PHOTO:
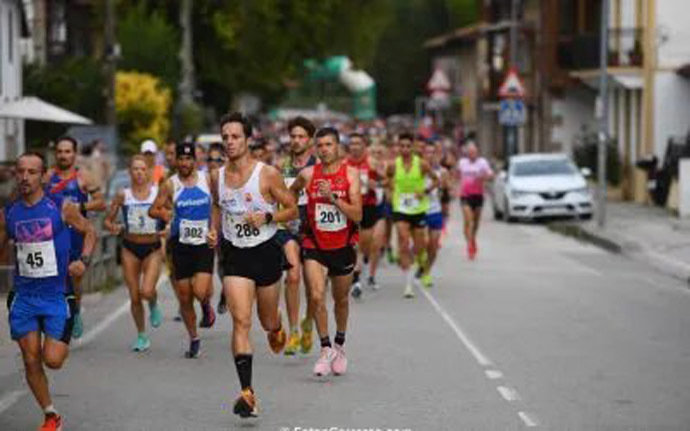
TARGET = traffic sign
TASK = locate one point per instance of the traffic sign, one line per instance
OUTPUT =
(512, 87)
(512, 112)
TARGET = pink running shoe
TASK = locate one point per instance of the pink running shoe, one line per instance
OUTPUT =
(339, 365)
(325, 361)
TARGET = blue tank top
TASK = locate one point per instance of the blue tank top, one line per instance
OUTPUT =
(191, 210)
(41, 245)
(68, 188)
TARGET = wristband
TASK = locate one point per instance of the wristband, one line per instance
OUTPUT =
(86, 260)
(268, 217)
(82, 207)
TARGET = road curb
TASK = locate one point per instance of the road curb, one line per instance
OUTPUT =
(577, 231)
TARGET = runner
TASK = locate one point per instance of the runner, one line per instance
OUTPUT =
(371, 212)
(390, 155)
(246, 193)
(40, 314)
(334, 208)
(410, 204)
(301, 155)
(378, 163)
(141, 243)
(474, 171)
(149, 150)
(434, 215)
(79, 187)
(188, 193)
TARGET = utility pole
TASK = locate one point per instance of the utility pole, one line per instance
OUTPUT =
(111, 55)
(511, 131)
(603, 114)
(186, 86)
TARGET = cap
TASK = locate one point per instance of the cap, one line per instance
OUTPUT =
(185, 149)
(149, 146)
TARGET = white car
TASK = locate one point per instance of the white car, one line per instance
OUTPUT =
(541, 185)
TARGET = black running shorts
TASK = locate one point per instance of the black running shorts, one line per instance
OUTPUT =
(189, 259)
(262, 264)
(340, 261)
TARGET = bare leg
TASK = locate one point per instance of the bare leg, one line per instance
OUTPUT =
(240, 293)
(292, 281)
(316, 276)
(131, 268)
(341, 307)
(185, 297)
(379, 232)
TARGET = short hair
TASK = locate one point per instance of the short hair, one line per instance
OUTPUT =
(358, 135)
(216, 146)
(406, 135)
(44, 166)
(304, 123)
(328, 131)
(258, 144)
(139, 157)
(73, 141)
(237, 117)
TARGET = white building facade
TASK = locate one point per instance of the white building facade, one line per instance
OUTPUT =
(11, 130)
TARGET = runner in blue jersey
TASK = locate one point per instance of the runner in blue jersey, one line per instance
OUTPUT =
(188, 194)
(40, 315)
(77, 186)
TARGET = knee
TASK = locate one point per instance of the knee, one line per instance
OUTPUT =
(316, 299)
(293, 277)
(241, 324)
(53, 362)
(148, 294)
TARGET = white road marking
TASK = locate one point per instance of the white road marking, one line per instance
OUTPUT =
(493, 374)
(529, 421)
(10, 398)
(481, 358)
(508, 394)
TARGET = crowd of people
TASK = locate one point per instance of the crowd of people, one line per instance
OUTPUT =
(318, 211)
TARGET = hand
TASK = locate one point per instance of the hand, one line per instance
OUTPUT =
(212, 238)
(256, 219)
(325, 189)
(116, 228)
(76, 268)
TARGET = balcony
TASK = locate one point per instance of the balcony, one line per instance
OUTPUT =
(581, 51)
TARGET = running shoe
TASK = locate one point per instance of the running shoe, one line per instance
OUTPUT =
(293, 344)
(323, 366)
(142, 343)
(52, 422)
(371, 283)
(277, 339)
(246, 405)
(409, 291)
(194, 349)
(474, 246)
(156, 316)
(427, 281)
(306, 342)
(209, 316)
(222, 307)
(356, 290)
(339, 365)
(471, 252)
(78, 326)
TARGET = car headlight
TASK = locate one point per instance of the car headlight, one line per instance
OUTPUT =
(517, 194)
(582, 191)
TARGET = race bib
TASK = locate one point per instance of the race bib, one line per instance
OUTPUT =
(301, 196)
(37, 259)
(408, 202)
(364, 181)
(329, 218)
(139, 222)
(193, 232)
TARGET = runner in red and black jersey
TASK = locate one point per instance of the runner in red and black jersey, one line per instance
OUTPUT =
(334, 207)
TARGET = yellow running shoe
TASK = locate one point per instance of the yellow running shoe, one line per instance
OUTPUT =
(427, 281)
(277, 339)
(293, 344)
(306, 340)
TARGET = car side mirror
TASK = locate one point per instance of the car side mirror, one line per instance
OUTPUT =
(586, 172)
(503, 175)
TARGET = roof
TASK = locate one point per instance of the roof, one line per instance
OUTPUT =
(33, 108)
(469, 32)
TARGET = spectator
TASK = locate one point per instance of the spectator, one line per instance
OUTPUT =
(149, 149)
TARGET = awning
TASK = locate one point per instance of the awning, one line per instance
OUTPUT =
(628, 81)
(33, 108)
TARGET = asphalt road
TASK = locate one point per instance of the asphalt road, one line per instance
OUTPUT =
(539, 332)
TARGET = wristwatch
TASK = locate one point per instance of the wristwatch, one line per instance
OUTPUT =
(86, 260)
(334, 197)
(268, 217)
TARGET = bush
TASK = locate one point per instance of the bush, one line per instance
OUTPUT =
(586, 155)
(143, 107)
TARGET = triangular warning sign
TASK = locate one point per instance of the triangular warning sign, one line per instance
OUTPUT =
(512, 87)
(439, 82)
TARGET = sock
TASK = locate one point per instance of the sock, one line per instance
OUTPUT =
(243, 363)
(366, 260)
(50, 410)
(355, 277)
(326, 341)
(409, 276)
(339, 338)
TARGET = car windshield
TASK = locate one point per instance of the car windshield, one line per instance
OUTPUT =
(543, 167)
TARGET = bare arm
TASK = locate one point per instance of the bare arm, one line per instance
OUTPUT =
(160, 209)
(281, 194)
(212, 238)
(301, 181)
(353, 209)
(426, 170)
(96, 200)
(72, 216)
(109, 223)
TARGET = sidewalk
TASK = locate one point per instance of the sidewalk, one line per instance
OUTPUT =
(647, 234)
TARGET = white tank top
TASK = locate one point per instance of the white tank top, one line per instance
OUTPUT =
(235, 204)
(136, 212)
(435, 206)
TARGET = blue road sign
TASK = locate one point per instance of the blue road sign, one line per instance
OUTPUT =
(512, 112)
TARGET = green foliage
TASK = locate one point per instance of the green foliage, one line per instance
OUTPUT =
(586, 155)
(191, 119)
(150, 43)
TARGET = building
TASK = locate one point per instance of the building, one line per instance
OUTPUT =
(11, 30)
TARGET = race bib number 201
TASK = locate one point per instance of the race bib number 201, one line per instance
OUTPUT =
(329, 218)
(37, 259)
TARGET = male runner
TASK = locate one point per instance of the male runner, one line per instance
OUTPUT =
(434, 215)
(246, 195)
(40, 314)
(189, 194)
(474, 171)
(77, 186)
(371, 214)
(410, 203)
(334, 208)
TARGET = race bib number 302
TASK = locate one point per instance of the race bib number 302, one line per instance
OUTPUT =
(329, 218)
(37, 259)
(193, 232)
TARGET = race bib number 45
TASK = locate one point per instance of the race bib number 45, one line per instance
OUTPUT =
(329, 218)
(193, 232)
(37, 259)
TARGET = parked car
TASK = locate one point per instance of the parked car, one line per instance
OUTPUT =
(541, 185)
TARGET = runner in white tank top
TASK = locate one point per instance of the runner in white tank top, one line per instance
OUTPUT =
(250, 198)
